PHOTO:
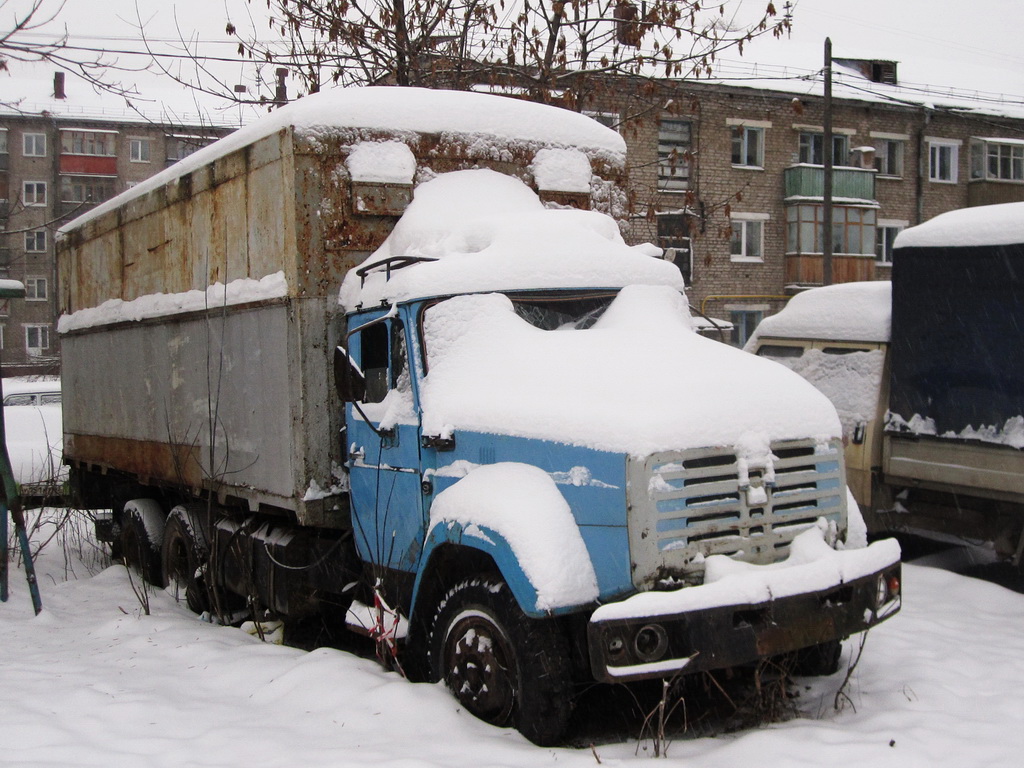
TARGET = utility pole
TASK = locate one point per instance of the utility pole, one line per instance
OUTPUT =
(826, 218)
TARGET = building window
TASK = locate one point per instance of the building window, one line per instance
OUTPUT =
(139, 150)
(96, 143)
(3, 141)
(35, 241)
(853, 229)
(34, 193)
(607, 119)
(674, 155)
(744, 321)
(942, 160)
(34, 144)
(812, 148)
(998, 161)
(886, 238)
(674, 236)
(35, 288)
(747, 240)
(37, 339)
(747, 146)
(179, 147)
(86, 189)
(889, 157)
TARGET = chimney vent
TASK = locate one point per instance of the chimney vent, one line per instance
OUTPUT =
(58, 86)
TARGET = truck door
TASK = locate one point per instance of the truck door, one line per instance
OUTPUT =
(383, 442)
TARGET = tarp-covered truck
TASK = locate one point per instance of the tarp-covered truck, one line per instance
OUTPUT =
(385, 354)
(926, 377)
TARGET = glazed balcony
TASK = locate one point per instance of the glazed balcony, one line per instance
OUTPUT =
(848, 184)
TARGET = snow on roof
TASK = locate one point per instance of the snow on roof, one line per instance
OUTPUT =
(637, 382)
(485, 231)
(421, 110)
(982, 225)
(843, 312)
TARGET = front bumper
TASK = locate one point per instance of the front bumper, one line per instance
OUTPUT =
(656, 635)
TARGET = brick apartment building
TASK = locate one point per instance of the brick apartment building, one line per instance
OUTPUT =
(732, 178)
(53, 168)
(729, 178)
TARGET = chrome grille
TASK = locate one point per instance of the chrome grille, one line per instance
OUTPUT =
(685, 506)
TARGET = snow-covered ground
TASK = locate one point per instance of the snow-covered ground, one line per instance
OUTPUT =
(93, 681)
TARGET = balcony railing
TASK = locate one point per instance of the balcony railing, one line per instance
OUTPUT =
(808, 181)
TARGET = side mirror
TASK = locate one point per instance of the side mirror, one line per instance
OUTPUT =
(349, 381)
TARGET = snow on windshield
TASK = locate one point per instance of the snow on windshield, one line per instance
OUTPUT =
(638, 381)
(982, 225)
(485, 231)
(851, 380)
(844, 312)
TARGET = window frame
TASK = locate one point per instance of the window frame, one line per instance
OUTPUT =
(43, 329)
(145, 149)
(36, 186)
(883, 245)
(751, 230)
(741, 135)
(32, 289)
(37, 139)
(37, 236)
(807, 150)
(672, 232)
(986, 165)
(936, 147)
(884, 159)
(674, 155)
(83, 143)
(800, 227)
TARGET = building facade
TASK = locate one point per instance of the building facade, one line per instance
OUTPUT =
(731, 179)
(53, 169)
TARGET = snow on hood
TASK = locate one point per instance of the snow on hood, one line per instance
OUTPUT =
(843, 312)
(421, 110)
(637, 382)
(982, 225)
(490, 232)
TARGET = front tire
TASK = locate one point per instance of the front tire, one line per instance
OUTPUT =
(503, 667)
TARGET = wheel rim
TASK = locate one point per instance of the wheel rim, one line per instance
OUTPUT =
(478, 667)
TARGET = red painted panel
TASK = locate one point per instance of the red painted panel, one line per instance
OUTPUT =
(101, 166)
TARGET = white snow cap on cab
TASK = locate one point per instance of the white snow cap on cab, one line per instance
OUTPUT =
(842, 312)
(485, 231)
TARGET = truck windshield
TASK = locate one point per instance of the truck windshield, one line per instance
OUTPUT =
(554, 313)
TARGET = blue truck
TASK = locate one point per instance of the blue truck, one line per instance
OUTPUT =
(385, 355)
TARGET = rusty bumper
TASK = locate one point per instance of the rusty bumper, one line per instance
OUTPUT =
(667, 644)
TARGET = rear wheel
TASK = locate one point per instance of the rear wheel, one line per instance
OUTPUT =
(184, 556)
(502, 666)
(142, 533)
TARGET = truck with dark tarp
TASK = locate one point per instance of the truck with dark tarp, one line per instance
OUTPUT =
(925, 374)
(385, 356)
(953, 453)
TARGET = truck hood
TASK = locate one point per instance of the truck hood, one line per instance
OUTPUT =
(637, 382)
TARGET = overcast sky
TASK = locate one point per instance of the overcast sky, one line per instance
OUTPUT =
(944, 44)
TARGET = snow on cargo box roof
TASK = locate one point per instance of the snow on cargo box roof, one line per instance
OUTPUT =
(417, 110)
(480, 230)
(1001, 224)
(842, 312)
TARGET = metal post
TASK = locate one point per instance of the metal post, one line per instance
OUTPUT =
(826, 219)
(9, 499)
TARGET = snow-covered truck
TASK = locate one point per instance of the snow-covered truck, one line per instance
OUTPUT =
(924, 374)
(385, 354)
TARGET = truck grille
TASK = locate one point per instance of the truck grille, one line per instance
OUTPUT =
(690, 504)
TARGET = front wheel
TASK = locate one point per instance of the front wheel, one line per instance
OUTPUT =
(503, 667)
